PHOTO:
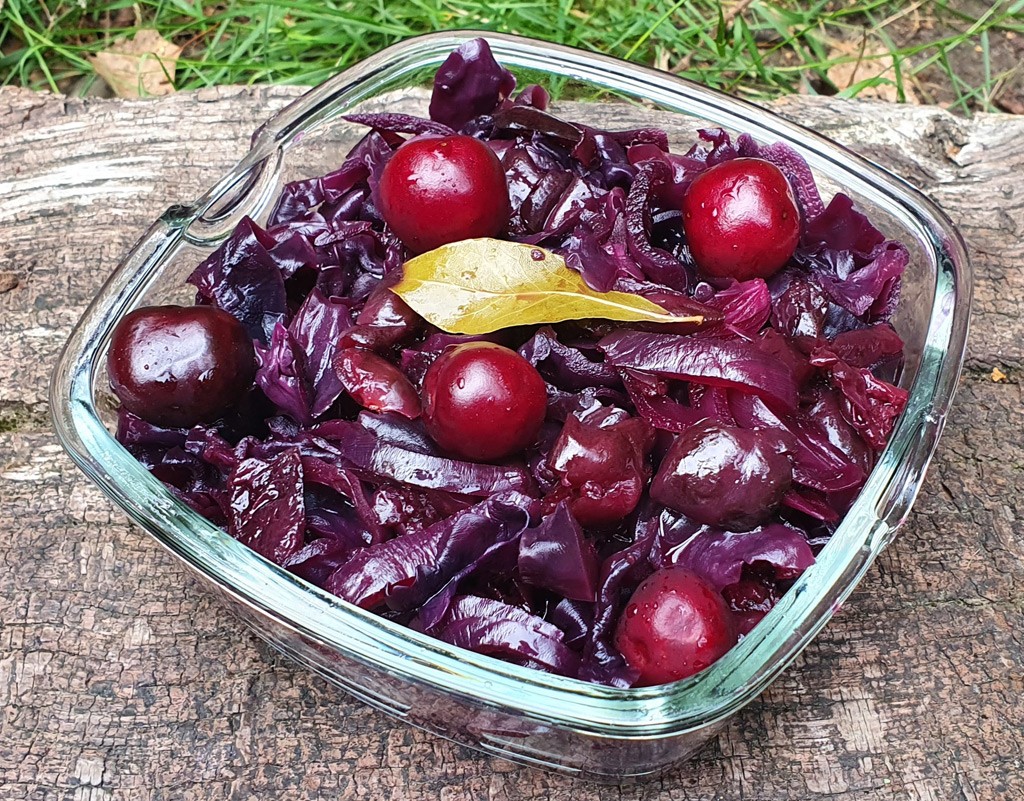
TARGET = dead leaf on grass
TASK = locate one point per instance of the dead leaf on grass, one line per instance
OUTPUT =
(860, 62)
(139, 67)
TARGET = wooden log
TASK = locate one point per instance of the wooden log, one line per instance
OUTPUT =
(119, 680)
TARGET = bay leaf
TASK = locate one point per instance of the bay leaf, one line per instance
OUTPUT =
(476, 286)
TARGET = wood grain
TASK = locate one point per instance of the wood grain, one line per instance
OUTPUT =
(119, 680)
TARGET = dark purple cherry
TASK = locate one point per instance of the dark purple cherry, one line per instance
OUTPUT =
(674, 626)
(741, 220)
(439, 189)
(732, 478)
(482, 401)
(178, 366)
(601, 471)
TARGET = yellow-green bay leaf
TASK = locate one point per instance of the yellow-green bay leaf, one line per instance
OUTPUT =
(476, 286)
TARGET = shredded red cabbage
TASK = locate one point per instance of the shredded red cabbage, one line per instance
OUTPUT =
(326, 469)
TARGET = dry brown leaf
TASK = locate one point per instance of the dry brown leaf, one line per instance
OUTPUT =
(862, 61)
(139, 67)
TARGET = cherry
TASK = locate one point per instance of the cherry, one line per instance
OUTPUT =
(435, 190)
(732, 478)
(178, 366)
(483, 401)
(601, 471)
(674, 626)
(741, 219)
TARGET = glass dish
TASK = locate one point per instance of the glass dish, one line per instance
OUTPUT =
(518, 713)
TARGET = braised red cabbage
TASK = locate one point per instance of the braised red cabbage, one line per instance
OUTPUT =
(557, 556)
(267, 512)
(326, 469)
(489, 626)
(719, 556)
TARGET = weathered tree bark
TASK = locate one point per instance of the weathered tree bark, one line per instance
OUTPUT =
(119, 680)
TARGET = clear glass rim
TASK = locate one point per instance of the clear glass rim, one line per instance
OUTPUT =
(595, 710)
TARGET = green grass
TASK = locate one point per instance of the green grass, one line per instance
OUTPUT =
(765, 50)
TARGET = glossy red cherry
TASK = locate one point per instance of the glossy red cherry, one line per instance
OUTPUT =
(674, 626)
(741, 219)
(178, 366)
(440, 189)
(482, 401)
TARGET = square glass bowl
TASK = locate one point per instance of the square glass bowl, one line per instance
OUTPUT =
(518, 713)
